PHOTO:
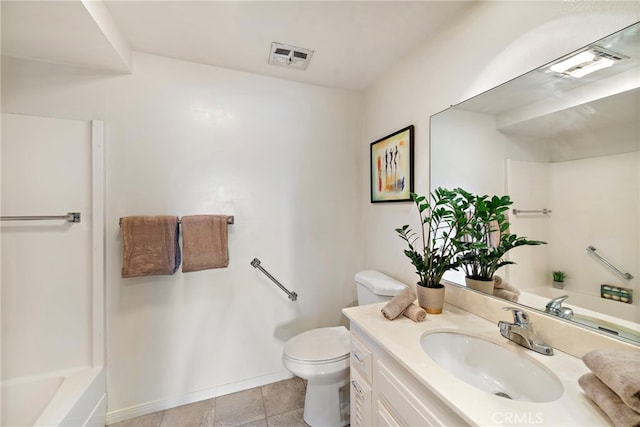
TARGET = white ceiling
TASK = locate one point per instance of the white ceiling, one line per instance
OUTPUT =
(354, 42)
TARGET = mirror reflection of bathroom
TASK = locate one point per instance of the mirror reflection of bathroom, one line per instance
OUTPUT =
(563, 141)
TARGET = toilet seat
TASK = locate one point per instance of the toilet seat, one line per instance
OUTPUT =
(319, 346)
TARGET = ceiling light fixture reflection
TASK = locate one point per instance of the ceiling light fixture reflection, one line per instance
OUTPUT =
(586, 62)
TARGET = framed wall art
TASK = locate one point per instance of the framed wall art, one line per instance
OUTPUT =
(392, 167)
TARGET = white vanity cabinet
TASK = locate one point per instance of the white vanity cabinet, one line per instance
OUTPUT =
(361, 393)
(383, 393)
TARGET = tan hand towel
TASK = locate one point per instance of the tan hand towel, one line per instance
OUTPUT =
(500, 283)
(398, 304)
(415, 313)
(505, 294)
(609, 402)
(149, 245)
(204, 240)
(618, 370)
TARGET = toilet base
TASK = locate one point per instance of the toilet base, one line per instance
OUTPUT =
(327, 405)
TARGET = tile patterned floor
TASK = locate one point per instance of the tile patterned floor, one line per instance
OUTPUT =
(273, 405)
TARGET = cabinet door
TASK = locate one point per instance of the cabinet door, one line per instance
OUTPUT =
(361, 400)
(410, 403)
(385, 419)
(361, 357)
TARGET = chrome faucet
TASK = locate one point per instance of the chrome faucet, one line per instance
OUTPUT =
(555, 307)
(521, 332)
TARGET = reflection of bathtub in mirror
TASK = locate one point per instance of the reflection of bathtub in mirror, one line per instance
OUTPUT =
(607, 316)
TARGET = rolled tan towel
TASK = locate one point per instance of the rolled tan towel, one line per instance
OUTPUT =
(205, 242)
(500, 283)
(618, 370)
(415, 313)
(609, 402)
(149, 245)
(398, 304)
(505, 294)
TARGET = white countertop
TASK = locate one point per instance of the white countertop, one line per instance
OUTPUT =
(401, 339)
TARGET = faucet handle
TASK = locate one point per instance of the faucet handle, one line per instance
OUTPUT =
(555, 304)
(559, 299)
(520, 318)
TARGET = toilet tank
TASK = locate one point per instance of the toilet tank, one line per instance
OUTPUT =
(373, 287)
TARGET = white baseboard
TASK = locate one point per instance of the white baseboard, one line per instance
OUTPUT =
(196, 396)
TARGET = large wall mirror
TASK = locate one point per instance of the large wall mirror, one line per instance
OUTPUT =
(563, 141)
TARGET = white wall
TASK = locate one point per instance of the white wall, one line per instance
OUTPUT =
(529, 188)
(183, 138)
(588, 210)
(494, 42)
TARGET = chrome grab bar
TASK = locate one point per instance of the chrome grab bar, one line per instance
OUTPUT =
(292, 295)
(69, 217)
(627, 276)
(540, 211)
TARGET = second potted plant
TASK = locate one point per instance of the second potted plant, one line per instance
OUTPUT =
(485, 239)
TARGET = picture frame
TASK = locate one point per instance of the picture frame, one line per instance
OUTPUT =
(392, 167)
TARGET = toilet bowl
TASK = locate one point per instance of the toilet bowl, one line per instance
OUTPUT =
(322, 357)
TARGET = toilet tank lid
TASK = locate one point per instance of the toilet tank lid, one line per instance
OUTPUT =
(379, 283)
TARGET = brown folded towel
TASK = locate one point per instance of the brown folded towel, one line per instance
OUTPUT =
(609, 402)
(149, 245)
(500, 283)
(415, 313)
(204, 240)
(505, 294)
(618, 370)
(397, 305)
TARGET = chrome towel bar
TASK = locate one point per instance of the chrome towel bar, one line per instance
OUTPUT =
(540, 211)
(292, 295)
(230, 220)
(69, 217)
(627, 276)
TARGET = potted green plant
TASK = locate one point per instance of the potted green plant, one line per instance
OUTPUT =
(485, 239)
(432, 250)
(559, 278)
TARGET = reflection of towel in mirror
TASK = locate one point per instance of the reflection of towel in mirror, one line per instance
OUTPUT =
(398, 304)
(504, 294)
(500, 283)
(618, 370)
(503, 289)
(609, 402)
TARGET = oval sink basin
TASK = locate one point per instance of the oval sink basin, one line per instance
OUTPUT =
(491, 367)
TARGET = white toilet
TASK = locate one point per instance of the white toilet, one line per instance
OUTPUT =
(321, 356)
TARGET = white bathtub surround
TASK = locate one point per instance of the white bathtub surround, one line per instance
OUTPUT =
(52, 276)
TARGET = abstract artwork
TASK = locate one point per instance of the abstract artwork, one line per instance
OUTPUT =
(392, 167)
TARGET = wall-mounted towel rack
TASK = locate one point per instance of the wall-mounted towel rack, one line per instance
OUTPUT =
(230, 220)
(292, 295)
(592, 250)
(523, 211)
(69, 217)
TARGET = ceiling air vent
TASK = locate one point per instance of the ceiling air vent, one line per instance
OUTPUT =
(290, 56)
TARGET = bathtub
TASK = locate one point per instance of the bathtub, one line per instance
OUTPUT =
(71, 398)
